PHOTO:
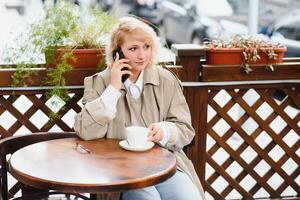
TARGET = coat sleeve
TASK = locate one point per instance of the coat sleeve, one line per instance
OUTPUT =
(178, 120)
(92, 121)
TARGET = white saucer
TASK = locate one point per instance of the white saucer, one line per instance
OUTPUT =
(124, 144)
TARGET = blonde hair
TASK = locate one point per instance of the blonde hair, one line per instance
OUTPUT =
(135, 28)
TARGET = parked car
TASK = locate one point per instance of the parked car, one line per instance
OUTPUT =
(269, 11)
(192, 21)
(147, 10)
(287, 32)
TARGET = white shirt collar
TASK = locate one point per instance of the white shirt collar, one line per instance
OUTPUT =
(135, 88)
(139, 82)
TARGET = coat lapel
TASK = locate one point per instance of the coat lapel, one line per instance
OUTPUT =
(150, 107)
(103, 78)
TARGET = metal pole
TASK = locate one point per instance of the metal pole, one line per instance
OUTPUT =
(253, 17)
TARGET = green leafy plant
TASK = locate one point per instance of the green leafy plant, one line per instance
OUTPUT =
(251, 47)
(92, 31)
(64, 26)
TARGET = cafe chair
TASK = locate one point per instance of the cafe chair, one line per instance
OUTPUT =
(10, 145)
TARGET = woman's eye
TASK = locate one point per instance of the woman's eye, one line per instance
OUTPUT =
(132, 49)
(147, 46)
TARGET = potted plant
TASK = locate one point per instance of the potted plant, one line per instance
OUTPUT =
(84, 40)
(244, 51)
(67, 36)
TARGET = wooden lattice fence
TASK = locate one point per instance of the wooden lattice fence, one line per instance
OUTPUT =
(252, 142)
(247, 142)
(27, 111)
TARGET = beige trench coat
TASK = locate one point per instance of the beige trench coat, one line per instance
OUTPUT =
(162, 100)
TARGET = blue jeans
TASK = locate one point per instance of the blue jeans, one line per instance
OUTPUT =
(177, 187)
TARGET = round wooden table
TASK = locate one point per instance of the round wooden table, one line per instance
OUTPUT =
(105, 167)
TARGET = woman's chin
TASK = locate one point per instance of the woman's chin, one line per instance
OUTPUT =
(139, 67)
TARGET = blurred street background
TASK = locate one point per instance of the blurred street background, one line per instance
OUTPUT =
(176, 21)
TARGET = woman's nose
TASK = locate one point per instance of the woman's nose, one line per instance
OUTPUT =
(141, 54)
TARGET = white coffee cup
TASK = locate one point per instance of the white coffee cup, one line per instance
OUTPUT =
(136, 136)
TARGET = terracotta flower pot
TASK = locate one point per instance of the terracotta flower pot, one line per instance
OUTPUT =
(234, 56)
(84, 58)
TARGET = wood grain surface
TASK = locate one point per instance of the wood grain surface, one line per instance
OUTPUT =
(59, 165)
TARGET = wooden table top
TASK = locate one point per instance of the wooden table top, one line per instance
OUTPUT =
(58, 165)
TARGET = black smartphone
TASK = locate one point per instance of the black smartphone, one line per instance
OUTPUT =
(121, 55)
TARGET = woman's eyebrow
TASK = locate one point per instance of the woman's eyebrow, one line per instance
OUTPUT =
(131, 46)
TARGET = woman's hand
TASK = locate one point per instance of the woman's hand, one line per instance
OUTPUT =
(116, 72)
(156, 134)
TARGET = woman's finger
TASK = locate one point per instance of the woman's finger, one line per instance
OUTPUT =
(151, 138)
(119, 63)
(126, 72)
(150, 127)
(156, 137)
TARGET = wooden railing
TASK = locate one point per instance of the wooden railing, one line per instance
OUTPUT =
(248, 126)
(247, 142)
(26, 109)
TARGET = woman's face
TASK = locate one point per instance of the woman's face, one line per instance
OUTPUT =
(139, 53)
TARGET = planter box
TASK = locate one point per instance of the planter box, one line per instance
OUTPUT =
(234, 56)
(84, 58)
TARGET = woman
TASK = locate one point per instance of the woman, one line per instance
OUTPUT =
(150, 97)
